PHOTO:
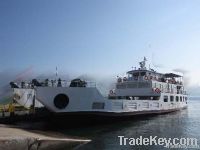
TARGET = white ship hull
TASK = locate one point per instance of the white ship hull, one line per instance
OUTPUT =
(90, 101)
(142, 91)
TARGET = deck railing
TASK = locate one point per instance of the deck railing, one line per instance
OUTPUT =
(54, 83)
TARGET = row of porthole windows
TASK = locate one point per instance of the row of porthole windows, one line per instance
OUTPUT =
(175, 98)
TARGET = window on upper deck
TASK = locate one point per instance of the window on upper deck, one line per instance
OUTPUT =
(136, 74)
(142, 73)
(171, 98)
(165, 98)
(177, 98)
(181, 99)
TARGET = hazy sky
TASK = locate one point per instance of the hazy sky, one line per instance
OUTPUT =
(100, 36)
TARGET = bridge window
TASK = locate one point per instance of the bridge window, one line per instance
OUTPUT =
(142, 73)
(133, 85)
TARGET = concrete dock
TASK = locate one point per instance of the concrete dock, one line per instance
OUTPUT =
(13, 138)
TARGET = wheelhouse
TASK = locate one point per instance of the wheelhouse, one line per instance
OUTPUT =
(143, 83)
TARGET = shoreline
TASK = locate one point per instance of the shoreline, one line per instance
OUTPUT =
(13, 138)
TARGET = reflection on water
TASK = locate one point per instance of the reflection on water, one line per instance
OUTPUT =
(185, 123)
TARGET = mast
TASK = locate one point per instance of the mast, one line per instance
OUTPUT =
(56, 72)
(143, 63)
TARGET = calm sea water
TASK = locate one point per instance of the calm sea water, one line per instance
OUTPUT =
(182, 124)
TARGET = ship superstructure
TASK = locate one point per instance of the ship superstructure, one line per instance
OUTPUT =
(142, 91)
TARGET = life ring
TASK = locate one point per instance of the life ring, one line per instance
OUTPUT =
(146, 77)
(111, 92)
(157, 90)
(124, 79)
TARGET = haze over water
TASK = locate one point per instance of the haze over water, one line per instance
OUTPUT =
(181, 124)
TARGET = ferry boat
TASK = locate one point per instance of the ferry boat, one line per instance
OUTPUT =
(142, 91)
